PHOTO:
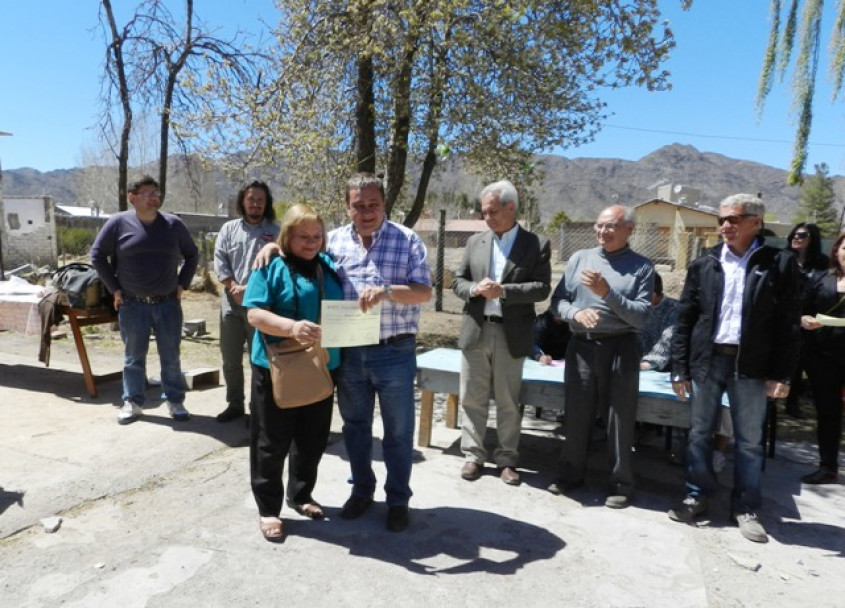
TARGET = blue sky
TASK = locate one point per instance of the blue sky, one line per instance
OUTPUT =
(53, 52)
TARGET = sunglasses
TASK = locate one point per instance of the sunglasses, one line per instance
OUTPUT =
(800, 236)
(733, 220)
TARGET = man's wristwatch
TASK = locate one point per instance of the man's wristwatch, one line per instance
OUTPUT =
(388, 290)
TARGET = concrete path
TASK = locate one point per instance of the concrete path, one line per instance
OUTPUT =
(160, 513)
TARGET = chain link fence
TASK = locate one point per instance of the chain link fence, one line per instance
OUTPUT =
(671, 250)
(663, 246)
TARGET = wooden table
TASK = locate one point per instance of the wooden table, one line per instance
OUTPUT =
(439, 371)
(81, 317)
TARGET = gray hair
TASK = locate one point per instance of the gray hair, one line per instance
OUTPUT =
(503, 190)
(750, 203)
(628, 215)
(359, 181)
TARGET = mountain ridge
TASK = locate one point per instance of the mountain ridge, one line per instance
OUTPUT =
(581, 186)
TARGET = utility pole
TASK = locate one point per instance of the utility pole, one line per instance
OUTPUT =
(2, 219)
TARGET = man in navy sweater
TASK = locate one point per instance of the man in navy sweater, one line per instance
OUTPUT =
(137, 255)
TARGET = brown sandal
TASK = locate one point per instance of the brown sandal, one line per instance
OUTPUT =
(272, 529)
(312, 510)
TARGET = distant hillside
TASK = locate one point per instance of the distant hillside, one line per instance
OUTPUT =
(586, 185)
(579, 186)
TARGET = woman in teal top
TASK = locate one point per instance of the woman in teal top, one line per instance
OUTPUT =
(283, 301)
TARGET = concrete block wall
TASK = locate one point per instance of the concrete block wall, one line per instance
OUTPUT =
(28, 231)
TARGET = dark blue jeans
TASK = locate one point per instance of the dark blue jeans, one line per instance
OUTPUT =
(136, 319)
(387, 371)
(747, 397)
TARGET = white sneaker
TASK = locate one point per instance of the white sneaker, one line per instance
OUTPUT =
(750, 527)
(719, 461)
(178, 411)
(129, 412)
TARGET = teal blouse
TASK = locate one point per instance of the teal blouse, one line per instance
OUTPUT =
(272, 288)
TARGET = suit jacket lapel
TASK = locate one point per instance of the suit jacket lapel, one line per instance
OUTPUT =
(517, 251)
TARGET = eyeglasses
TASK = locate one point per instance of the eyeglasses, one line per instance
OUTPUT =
(733, 220)
(609, 226)
(800, 236)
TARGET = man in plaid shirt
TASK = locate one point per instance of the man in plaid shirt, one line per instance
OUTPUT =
(379, 261)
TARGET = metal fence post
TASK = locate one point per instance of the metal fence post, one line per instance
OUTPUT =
(441, 253)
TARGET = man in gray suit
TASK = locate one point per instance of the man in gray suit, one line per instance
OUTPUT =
(504, 272)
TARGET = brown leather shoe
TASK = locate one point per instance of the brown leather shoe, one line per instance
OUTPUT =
(470, 471)
(510, 476)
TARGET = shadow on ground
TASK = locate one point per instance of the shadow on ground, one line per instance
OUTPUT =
(441, 540)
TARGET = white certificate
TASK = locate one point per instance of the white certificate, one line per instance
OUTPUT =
(830, 321)
(343, 324)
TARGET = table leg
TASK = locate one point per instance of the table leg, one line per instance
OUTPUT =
(426, 415)
(90, 385)
(452, 411)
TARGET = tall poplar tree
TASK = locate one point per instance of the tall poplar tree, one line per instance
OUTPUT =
(390, 85)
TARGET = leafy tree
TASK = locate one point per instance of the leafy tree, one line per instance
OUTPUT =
(783, 36)
(818, 202)
(558, 219)
(376, 84)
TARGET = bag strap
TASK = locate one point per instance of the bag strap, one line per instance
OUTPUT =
(835, 306)
(319, 273)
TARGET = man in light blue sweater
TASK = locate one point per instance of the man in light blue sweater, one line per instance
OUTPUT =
(605, 296)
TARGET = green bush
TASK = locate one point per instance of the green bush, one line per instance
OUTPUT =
(75, 241)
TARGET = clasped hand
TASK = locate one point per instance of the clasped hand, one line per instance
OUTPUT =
(490, 289)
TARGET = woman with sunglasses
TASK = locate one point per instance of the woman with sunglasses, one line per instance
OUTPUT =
(825, 361)
(805, 241)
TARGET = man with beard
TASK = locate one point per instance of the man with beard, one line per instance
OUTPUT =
(234, 252)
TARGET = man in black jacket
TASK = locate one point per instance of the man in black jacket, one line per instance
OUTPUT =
(737, 331)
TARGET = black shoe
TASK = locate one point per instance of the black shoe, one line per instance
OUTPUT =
(397, 518)
(689, 509)
(820, 476)
(230, 413)
(355, 506)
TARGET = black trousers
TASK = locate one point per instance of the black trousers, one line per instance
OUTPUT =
(302, 431)
(826, 376)
(602, 376)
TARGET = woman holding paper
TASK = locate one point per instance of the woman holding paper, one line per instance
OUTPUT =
(824, 320)
(283, 301)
